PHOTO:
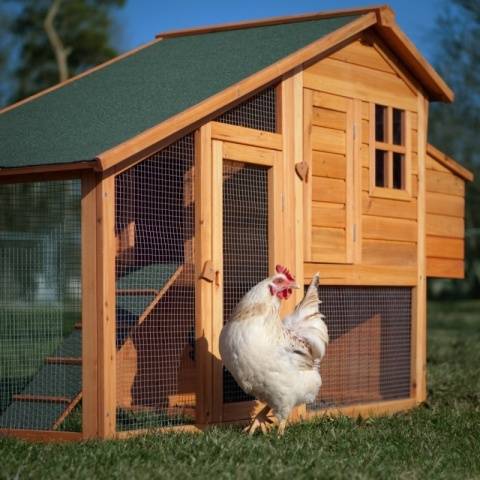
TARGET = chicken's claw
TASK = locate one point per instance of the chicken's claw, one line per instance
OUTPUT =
(261, 420)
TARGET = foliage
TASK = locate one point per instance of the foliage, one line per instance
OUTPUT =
(440, 441)
(454, 128)
(85, 28)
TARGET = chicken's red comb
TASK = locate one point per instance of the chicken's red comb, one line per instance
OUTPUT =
(285, 271)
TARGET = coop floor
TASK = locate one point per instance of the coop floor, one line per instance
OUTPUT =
(437, 442)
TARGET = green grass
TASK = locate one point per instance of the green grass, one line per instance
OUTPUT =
(437, 441)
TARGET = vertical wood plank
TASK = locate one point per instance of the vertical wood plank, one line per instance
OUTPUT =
(289, 180)
(203, 289)
(89, 307)
(349, 181)
(371, 148)
(217, 259)
(357, 183)
(307, 189)
(420, 326)
(106, 306)
(408, 154)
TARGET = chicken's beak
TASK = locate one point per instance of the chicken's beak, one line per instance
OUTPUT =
(294, 285)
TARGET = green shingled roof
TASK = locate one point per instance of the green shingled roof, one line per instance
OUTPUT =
(105, 108)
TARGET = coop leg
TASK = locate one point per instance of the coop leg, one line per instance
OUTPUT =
(260, 420)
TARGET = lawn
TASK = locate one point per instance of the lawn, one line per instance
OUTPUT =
(439, 440)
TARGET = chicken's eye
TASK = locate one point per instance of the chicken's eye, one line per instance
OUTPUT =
(278, 281)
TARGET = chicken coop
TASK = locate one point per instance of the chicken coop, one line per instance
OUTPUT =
(142, 199)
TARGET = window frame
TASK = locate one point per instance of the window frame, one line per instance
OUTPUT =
(390, 148)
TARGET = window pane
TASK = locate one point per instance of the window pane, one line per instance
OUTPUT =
(380, 168)
(398, 127)
(380, 123)
(398, 170)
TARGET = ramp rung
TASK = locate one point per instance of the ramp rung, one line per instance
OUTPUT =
(40, 398)
(64, 360)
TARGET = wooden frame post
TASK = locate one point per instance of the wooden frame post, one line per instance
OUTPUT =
(419, 327)
(89, 307)
(203, 288)
(106, 306)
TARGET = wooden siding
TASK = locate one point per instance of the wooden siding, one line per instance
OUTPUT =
(445, 221)
(353, 78)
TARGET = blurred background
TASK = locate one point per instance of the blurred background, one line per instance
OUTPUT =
(43, 42)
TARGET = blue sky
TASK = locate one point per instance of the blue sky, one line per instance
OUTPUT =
(142, 20)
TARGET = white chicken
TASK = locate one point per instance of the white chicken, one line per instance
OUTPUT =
(276, 361)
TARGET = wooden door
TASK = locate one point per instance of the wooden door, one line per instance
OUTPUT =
(247, 242)
(329, 146)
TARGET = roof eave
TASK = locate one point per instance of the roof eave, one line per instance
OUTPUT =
(436, 88)
(450, 163)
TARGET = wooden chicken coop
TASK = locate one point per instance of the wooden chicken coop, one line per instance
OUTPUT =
(142, 199)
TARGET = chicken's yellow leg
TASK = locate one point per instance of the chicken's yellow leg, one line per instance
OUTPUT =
(281, 428)
(260, 420)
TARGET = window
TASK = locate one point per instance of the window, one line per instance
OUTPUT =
(389, 151)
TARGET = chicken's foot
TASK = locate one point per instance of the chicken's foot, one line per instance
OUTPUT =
(261, 420)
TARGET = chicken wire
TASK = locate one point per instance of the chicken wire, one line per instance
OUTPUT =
(257, 112)
(155, 295)
(40, 305)
(245, 243)
(368, 358)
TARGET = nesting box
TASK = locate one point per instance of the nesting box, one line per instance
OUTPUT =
(141, 200)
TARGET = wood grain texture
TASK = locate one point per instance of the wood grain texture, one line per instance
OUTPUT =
(384, 207)
(329, 140)
(441, 247)
(444, 204)
(383, 228)
(338, 77)
(328, 190)
(378, 252)
(440, 182)
(328, 215)
(330, 165)
(324, 117)
(442, 226)
(445, 268)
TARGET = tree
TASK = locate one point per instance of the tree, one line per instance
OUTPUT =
(57, 39)
(455, 128)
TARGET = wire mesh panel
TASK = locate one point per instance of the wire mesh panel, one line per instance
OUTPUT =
(257, 112)
(368, 358)
(245, 243)
(40, 306)
(155, 296)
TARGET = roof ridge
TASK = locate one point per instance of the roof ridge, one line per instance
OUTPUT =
(274, 21)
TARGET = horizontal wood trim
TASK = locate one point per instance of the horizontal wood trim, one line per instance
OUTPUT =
(329, 140)
(449, 163)
(330, 101)
(442, 226)
(379, 252)
(441, 247)
(137, 148)
(448, 183)
(324, 117)
(366, 55)
(56, 168)
(328, 244)
(248, 154)
(247, 136)
(382, 228)
(328, 215)
(355, 81)
(64, 360)
(392, 193)
(345, 274)
(42, 435)
(22, 397)
(146, 431)
(389, 146)
(445, 268)
(443, 204)
(330, 165)
(328, 190)
(385, 207)
(365, 410)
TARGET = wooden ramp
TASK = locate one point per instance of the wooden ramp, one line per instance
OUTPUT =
(56, 389)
